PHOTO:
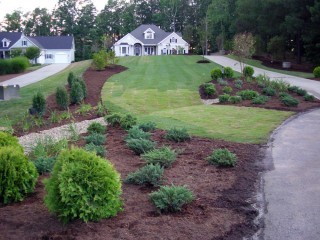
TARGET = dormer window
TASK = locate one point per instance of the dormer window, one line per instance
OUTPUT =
(24, 43)
(5, 43)
(149, 34)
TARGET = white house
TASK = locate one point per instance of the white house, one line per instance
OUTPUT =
(53, 49)
(150, 40)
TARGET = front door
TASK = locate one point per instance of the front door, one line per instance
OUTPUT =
(137, 51)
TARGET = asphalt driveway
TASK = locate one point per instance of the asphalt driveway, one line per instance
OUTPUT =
(36, 75)
(292, 187)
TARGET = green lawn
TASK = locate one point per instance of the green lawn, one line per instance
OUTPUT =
(15, 108)
(164, 89)
(257, 63)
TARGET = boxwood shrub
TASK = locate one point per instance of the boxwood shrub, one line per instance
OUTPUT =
(248, 71)
(83, 186)
(316, 72)
(18, 175)
(235, 99)
(227, 89)
(248, 94)
(171, 198)
(224, 98)
(222, 157)
(149, 175)
(228, 72)
(209, 89)
(216, 73)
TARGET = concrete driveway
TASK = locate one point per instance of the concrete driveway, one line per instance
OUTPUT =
(36, 75)
(292, 187)
(309, 85)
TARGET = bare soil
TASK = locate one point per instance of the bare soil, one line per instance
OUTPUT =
(273, 103)
(221, 209)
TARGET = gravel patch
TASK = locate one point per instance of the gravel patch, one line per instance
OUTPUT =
(210, 101)
(57, 133)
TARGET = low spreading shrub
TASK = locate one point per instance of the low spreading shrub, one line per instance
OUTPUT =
(309, 98)
(7, 140)
(248, 94)
(148, 126)
(278, 85)
(216, 73)
(128, 121)
(164, 156)
(269, 91)
(39, 103)
(136, 133)
(224, 98)
(227, 89)
(248, 71)
(209, 89)
(284, 94)
(47, 147)
(76, 93)
(113, 119)
(177, 135)
(149, 175)
(62, 98)
(98, 149)
(222, 157)
(293, 89)
(44, 164)
(171, 198)
(289, 101)
(96, 127)
(316, 72)
(301, 92)
(222, 82)
(260, 100)
(227, 72)
(18, 175)
(83, 186)
(235, 99)
(140, 146)
(238, 82)
(95, 138)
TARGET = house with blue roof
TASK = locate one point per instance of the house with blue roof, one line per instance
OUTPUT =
(53, 49)
(150, 40)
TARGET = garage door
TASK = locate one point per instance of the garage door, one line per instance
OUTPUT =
(61, 58)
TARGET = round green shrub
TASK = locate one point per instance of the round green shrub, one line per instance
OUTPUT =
(164, 156)
(289, 101)
(235, 99)
(248, 94)
(209, 89)
(147, 126)
(216, 73)
(224, 98)
(18, 175)
(177, 135)
(96, 127)
(316, 72)
(171, 198)
(269, 91)
(228, 72)
(222, 157)
(76, 93)
(260, 100)
(7, 140)
(227, 89)
(149, 175)
(248, 71)
(62, 98)
(83, 186)
(309, 98)
(140, 146)
(39, 103)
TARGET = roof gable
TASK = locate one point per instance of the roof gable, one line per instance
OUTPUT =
(159, 34)
(53, 42)
(12, 37)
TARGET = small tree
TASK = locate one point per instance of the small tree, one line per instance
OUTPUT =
(17, 52)
(243, 47)
(100, 60)
(32, 53)
(277, 47)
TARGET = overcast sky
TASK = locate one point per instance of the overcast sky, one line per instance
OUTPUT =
(8, 6)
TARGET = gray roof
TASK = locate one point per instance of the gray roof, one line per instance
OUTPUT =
(159, 35)
(53, 42)
(12, 36)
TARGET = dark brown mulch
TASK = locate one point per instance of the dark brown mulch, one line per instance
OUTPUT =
(94, 81)
(273, 103)
(220, 209)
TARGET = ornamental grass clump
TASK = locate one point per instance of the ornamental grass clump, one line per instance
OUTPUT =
(83, 186)
(140, 146)
(149, 175)
(177, 135)
(18, 175)
(171, 198)
(222, 157)
(164, 156)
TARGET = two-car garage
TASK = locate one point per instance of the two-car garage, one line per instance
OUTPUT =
(61, 57)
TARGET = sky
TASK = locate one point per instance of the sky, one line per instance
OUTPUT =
(8, 6)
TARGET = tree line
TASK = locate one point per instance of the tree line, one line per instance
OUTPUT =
(281, 28)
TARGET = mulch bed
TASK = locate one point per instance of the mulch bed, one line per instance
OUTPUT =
(273, 103)
(220, 210)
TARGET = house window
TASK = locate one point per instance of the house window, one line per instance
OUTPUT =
(24, 43)
(49, 56)
(149, 35)
(5, 44)
(173, 40)
(124, 50)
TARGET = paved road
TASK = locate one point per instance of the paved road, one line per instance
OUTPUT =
(36, 76)
(292, 187)
(310, 85)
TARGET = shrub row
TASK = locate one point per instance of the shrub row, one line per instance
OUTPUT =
(14, 65)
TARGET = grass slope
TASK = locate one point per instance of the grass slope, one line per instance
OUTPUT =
(164, 89)
(15, 108)
(257, 63)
